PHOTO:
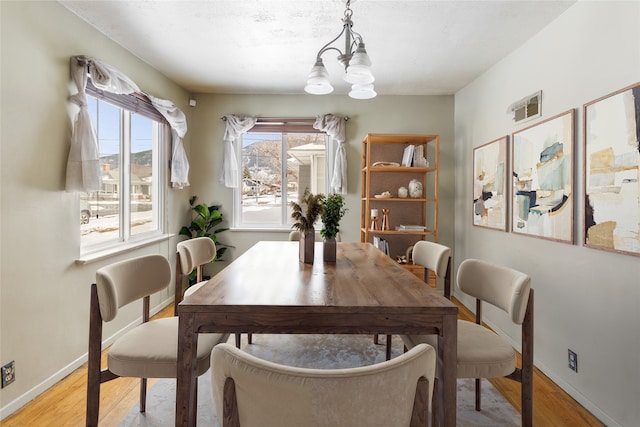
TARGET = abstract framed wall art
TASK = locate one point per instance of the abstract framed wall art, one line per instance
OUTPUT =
(542, 162)
(612, 160)
(490, 184)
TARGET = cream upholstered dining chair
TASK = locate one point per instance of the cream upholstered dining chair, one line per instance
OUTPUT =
(251, 392)
(191, 255)
(433, 257)
(481, 352)
(149, 350)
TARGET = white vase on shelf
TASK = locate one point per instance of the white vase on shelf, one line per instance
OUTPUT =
(415, 189)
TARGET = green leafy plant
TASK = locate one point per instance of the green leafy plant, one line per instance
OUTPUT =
(306, 213)
(206, 222)
(332, 212)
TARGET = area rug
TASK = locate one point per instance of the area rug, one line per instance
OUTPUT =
(318, 351)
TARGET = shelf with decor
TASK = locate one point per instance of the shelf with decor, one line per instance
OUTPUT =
(400, 177)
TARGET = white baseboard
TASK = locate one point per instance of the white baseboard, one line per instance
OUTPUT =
(45, 385)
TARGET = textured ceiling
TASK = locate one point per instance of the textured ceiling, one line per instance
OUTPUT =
(418, 47)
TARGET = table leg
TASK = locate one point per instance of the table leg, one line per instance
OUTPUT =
(447, 367)
(186, 370)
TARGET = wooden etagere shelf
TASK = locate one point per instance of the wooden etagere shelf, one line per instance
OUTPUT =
(418, 211)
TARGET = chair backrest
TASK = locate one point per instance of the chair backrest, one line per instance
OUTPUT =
(269, 395)
(433, 256)
(120, 283)
(294, 236)
(503, 287)
(195, 252)
(437, 258)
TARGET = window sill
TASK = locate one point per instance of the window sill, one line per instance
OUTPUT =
(116, 250)
(262, 229)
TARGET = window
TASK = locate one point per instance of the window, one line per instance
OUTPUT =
(129, 206)
(278, 162)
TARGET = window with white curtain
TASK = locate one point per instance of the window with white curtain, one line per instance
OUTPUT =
(129, 207)
(277, 163)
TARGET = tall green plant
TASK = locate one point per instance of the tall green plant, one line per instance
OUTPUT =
(206, 223)
(306, 213)
(332, 212)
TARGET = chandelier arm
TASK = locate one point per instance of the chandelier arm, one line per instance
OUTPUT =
(328, 46)
(326, 49)
(357, 38)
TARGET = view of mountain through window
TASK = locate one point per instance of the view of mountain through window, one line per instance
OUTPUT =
(127, 205)
(276, 168)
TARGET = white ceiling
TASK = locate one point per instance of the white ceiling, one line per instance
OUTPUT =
(418, 47)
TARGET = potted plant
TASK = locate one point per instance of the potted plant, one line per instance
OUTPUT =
(332, 212)
(304, 215)
(206, 222)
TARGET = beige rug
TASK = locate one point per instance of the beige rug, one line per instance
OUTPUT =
(318, 351)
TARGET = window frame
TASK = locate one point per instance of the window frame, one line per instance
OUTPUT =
(280, 126)
(137, 104)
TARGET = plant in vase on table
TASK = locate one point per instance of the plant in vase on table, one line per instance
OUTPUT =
(332, 212)
(305, 214)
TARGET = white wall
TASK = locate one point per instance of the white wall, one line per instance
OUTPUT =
(44, 294)
(586, 300)
(384, 114)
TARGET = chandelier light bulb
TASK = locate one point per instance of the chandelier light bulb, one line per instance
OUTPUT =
(364, 91)
(359, 69)
(318, 80)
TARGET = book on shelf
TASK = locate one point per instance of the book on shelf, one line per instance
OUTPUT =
(414, 156)
(381, 244)
(419, 160)
(407, 157)
(411, 227)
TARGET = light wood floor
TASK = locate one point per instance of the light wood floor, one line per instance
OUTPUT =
(64, 403)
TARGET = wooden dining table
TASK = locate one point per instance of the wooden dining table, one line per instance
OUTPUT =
(267, 290)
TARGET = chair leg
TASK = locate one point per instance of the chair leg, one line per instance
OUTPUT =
(238, 340)
(93, 395)
(249, 338)
(194, 408)
(93, 401)
(143, 395)
(527, 365)
(388, 347)
(478, 399)
(434, 404)
(527, 404)
(93, 364)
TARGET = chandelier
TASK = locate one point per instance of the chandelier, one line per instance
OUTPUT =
(357, 64)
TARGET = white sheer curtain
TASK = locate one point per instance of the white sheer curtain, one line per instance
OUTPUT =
(83, 165)
(334, 126)
(235, 127)
(178, 122)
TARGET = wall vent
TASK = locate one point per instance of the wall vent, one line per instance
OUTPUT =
(526, 108)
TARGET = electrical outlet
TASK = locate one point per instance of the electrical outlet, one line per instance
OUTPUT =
(8, 373)
(573, 361)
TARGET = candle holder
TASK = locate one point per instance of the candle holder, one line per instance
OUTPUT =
(385, 219)
(374, 220)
